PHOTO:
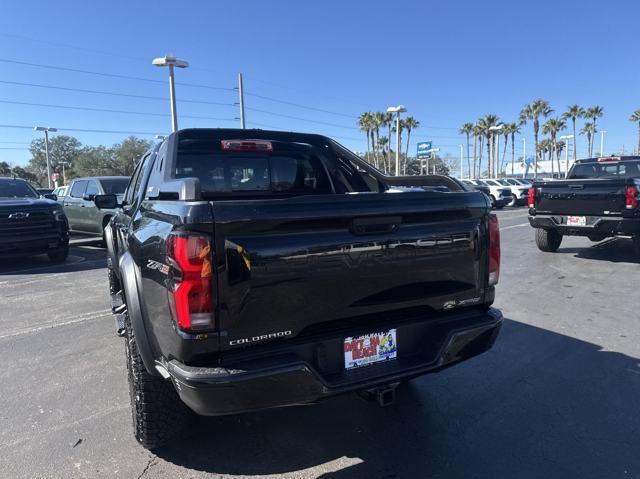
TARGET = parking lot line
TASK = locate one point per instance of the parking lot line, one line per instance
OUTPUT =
(81, 319)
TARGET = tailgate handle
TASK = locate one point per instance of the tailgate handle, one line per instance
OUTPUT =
(366, 226)
(576, 187)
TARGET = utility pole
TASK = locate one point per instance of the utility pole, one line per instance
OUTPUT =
(171, 62)
(46, 130)
(241, 102)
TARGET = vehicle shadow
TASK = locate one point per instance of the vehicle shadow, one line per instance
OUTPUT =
(540, 404)
(81, 258)
(615, 250)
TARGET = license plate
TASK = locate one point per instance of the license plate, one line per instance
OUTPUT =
(576, 220)
(369, 349)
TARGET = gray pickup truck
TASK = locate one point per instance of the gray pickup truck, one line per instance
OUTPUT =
(81, 212)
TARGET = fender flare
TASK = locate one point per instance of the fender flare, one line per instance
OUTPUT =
(111, 252)
(130, 279)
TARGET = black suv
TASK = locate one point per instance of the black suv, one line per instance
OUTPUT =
(31, 224)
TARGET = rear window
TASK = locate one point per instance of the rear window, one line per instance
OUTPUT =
(291, 168)
(627, 169)
(114, 186)
(17, 189)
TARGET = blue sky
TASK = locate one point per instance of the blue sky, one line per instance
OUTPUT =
(448, 62)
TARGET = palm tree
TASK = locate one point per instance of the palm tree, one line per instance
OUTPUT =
(574, 112)
(383, 143)
(477, 134)
(378, 121)
(388, 121)
(486, 123)
(506, 133)
(590, 130)
(366, 125)
(467, 129)
(594, 112)
(532, 112)
(635, 117)
(410, 123)
(551, 128)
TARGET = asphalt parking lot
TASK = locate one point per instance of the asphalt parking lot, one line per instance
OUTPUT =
(556, 397)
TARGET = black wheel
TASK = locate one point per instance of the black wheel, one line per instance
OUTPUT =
(58, 256)
(514, 201)
(158, 413)
(548, 240)
(493, 200)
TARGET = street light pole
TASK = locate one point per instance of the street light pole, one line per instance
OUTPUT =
(46, 130)
(171, 62)
(397, 109)
(566, 154)
(602, 132)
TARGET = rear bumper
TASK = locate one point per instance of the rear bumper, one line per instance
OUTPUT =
(287, 379)
(596, 225)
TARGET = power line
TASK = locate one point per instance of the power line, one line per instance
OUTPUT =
(298, 105)
(110, 75)
(108, 110)
(84, 130)
(301, 119)
(111, 93)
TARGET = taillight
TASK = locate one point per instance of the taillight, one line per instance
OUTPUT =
(191, 281)
(494, 250)
(632, 197)
(246, 145)
(531, 199)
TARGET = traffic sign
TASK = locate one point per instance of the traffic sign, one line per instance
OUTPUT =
(423, 149)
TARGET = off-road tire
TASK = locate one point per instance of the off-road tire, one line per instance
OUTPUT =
(158, 413)
(548, 240)
(58, 256)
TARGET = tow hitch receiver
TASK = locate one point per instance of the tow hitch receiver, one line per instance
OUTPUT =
(383, 395)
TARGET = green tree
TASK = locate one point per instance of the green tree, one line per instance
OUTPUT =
(589, 129)
(378, 122)
(467, 130)
(387, 119)
(574, 112)
(635, 117)
(532, 112)
(20, 172)
(61, 148)
(365, 122)
(127, 154)
(593, 113)
(410, 124)
(5, 168)
(551, 128)
(485, 124)
(514, 129)
(478, 134)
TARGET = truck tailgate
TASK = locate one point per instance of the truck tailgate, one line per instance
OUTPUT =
(592, 197)
(289, 265)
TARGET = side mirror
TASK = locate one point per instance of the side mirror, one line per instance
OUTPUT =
(50, 196)
(88, 197)
(105, 202)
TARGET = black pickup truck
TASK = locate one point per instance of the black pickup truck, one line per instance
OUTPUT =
(600, 198)
(31, 224)
(252, 269)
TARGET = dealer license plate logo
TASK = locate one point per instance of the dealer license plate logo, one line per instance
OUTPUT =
(576, 220)
(369, 349)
